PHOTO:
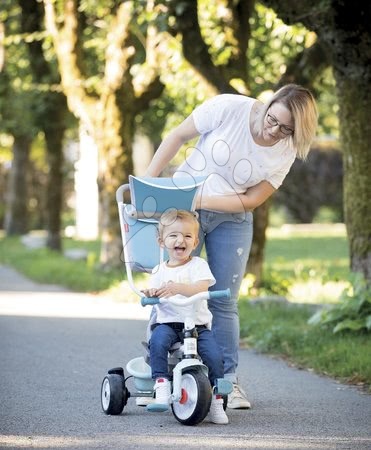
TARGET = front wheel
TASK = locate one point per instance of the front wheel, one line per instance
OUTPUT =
(194, 404)
(114, 394)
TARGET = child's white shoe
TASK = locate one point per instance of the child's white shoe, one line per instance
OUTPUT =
(162, 391)
(217, 414)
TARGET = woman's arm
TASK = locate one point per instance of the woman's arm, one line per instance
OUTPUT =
(235, 203)
(170, 145)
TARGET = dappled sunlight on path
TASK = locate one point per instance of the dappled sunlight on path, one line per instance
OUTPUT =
(22, 297)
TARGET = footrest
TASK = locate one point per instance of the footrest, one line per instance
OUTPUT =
(157, 407)
(223, 386)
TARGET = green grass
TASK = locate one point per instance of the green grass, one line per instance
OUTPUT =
(46, 266)
(312, 264)
(305, 256)
(282, 329)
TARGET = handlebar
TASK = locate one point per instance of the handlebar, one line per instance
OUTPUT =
(145, 301)
(220, 294)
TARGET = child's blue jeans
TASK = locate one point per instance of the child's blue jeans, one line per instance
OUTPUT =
(163, 337)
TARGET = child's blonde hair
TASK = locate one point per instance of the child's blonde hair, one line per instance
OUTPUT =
(171, 215)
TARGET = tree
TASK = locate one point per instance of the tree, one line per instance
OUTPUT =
(344, 29)
(102, 92)
(30, 104)
(50, 116)
(16, 119)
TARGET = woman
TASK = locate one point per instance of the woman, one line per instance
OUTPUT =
(245, 150)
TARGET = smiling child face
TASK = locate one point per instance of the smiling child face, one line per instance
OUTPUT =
(179, 238)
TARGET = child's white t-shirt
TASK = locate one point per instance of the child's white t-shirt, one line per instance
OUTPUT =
(226, 152)
(197, 269)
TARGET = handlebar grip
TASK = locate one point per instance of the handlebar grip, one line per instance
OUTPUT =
(220, 294)
(145, 301)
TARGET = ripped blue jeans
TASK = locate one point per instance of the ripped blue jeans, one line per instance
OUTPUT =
(227, 239)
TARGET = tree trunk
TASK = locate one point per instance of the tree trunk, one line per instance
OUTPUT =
(50, 117)
(16, 216)
(356, 141)
(115, 165)
(54, 193)
(256, 258)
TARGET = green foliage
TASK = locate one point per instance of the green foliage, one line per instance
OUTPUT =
(272, 44)
(282, 329)
(324, 86)
(274, 283)
(352, 313)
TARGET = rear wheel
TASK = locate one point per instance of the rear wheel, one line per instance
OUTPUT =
(194, 404)
(114, 394)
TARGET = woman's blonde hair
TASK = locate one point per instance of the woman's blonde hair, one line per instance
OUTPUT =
(301, 104)
(171, 215)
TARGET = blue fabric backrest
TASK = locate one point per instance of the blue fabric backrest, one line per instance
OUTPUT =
(142, 250)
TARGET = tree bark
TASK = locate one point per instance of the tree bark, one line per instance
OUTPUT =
(115, 165)
(54, 194)
(356, 139)
(256, 258)
(16, 216)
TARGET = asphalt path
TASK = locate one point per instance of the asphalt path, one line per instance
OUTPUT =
(56, 347)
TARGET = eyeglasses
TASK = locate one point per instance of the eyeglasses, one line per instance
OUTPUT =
(284, 129)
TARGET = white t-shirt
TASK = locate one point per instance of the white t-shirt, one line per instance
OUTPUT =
(197, 269)
(226, 152)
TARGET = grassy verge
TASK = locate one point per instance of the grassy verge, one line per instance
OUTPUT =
(281, 329)
(307, 265)
(46, 266)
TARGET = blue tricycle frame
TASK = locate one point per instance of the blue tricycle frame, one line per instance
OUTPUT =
(191, 390)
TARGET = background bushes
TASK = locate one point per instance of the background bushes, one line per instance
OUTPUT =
(313, 184)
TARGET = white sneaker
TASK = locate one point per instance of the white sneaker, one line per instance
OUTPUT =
(162, 390)
(144, 401)
(237, 398)
(216, 413)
